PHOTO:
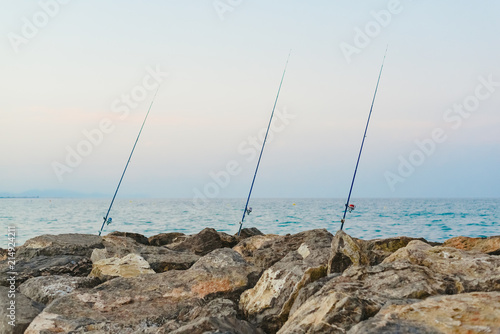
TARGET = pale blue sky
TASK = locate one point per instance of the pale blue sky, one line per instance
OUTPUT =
(223, 78)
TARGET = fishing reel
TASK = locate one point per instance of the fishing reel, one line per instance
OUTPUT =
(351, 207)
(109, 221)
(249, 211)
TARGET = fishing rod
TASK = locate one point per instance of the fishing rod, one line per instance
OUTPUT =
(248, 210)
(106, 220)
(350, 207)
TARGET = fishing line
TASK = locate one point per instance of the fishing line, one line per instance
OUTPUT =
(347, 206)
(247, 210)
(106, 220)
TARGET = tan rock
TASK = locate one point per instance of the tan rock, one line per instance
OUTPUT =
(471, 271)
(270, 301)
(490, 245)
(131, 265)
(467, 313)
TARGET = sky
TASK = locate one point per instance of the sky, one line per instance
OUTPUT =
(78, 78)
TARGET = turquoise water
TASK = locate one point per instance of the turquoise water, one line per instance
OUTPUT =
(433, 219)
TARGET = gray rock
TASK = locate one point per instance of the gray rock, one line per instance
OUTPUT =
(217, 316)
(47, 265)
(61, 244)
(248, 232)
(146, 303)
(163, 239)
(134, 236)
(53, 255)
(265, 250)
(45, 289)
(205, 242)
(25, 310)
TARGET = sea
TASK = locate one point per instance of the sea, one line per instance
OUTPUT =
(433, 219)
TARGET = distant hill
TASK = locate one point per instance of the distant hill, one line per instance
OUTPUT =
(52, 193)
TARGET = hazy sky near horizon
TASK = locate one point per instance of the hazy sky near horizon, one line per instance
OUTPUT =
(75, 67)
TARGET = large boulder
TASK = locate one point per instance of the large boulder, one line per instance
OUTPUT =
(490, 245)
(159, 258)
(53, 255)
(269, 302)
(163, 239)
(467, 313)
(471, 271)
(148, 302)
(61, 244)
(347, 251)
(219, 315)
(248, 232)
(44, 289)
(25, 310)
(265, 250)
(205, 242)
(412, 273)
(46, 265)
(134, 236)
(344, 300)
(131, 265)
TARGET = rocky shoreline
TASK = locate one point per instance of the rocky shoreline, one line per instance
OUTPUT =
(212, 282)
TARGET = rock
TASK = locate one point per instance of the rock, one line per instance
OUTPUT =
(25, 311)
(45, 289)
(3, 254)
(309, 290)
(47, 265)
(135, 236)
(53, 255)
(248, 232)
(417, 271)
(490, 245)
(205, 242)
(359, 293)
(347, 251)
(131, 265)
(471, 271)
(61, 244)
(477, 312)
(379, 249)
(159, 258)
(147, 302)
(217, 325)
(164, 238)
(219, 315)
(269, 302)
(265, 250)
